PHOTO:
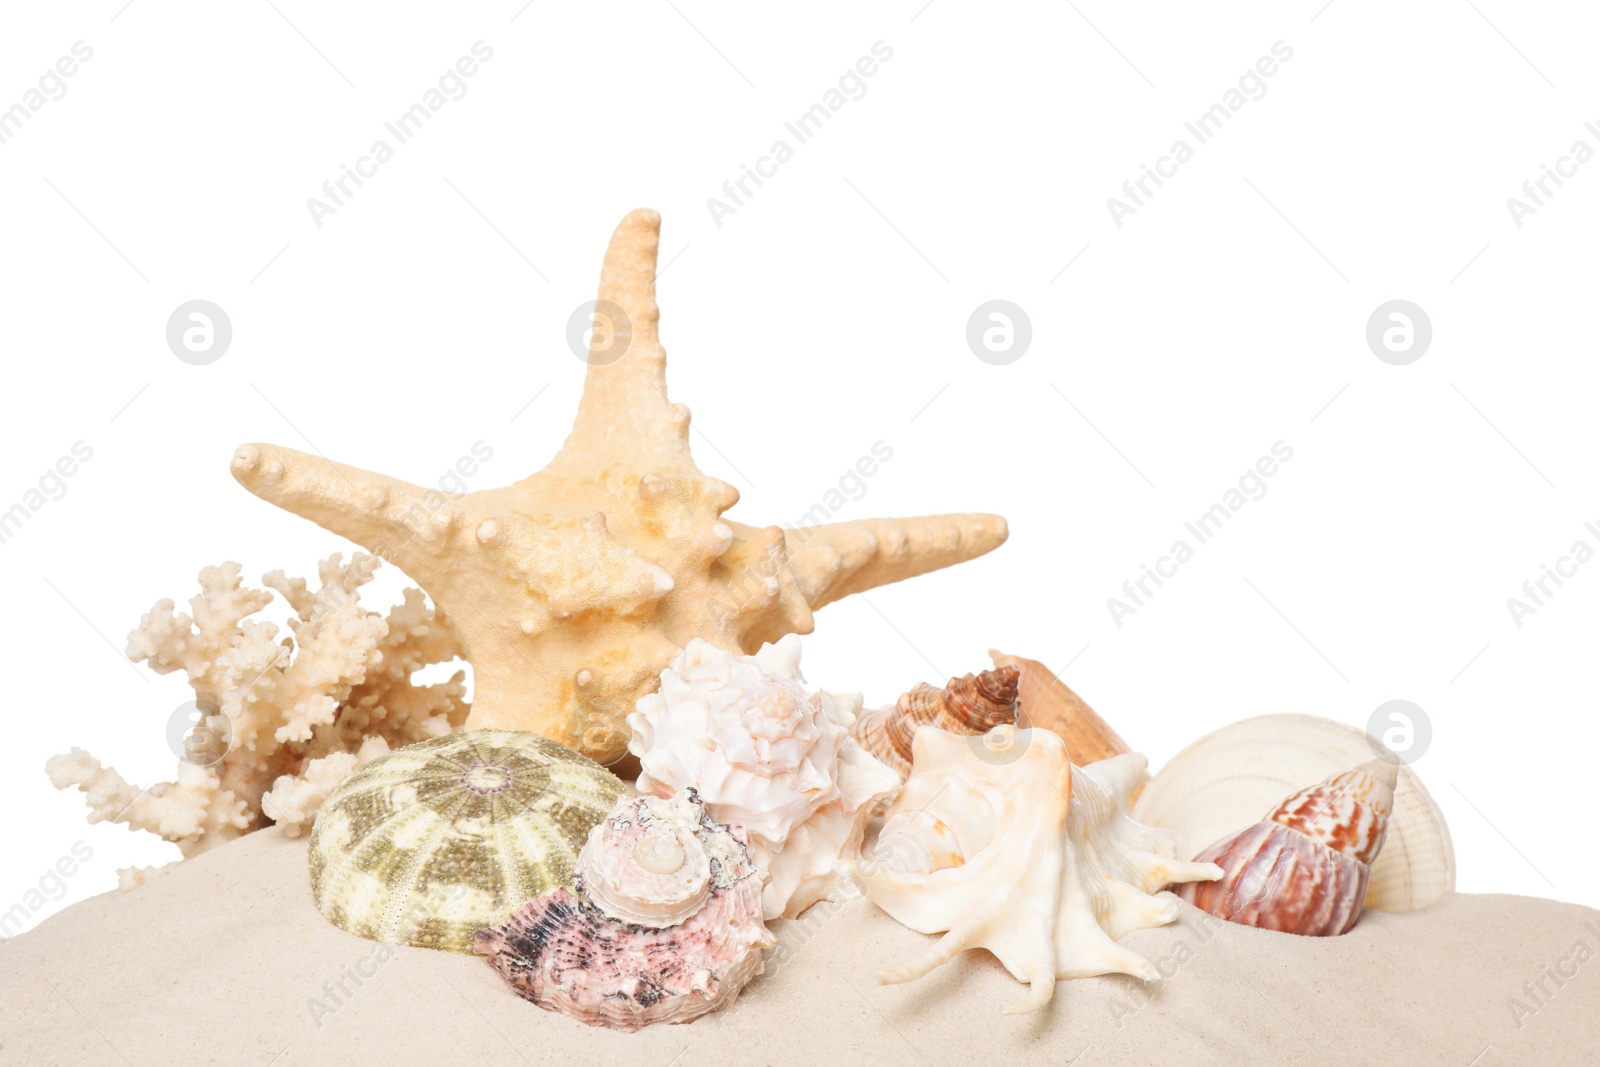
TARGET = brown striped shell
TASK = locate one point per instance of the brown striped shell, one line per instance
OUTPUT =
(1045, 700)
(1304, 868)
(971, 705)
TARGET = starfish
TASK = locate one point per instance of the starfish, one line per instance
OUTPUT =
(572, 588)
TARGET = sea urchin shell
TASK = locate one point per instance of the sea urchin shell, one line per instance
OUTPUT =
(435, 841)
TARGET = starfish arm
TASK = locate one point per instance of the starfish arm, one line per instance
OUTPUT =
(572, 588)
(831, 562)
(390, 517)
(624, 410)
(540, 572)
(757, 595)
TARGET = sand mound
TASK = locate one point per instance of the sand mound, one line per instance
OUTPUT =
(224, 960)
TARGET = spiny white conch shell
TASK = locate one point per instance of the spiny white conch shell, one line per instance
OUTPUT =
(664, 925)
(1303, 868)
(1224, 781)
(764, 753)
(1001, 843)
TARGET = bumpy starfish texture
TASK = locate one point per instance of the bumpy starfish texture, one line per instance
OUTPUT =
(574, 587)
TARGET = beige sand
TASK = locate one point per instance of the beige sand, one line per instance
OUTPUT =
(223, 960)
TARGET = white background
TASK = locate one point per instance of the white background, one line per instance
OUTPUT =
(829, 313)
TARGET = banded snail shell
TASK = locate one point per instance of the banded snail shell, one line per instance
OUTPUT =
(971, 705)
(1223, 781)
(1303, 869)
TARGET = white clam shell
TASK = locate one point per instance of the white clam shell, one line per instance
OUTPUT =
(1230, 778)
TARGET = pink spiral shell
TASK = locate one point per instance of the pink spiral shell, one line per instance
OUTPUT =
(565, 954)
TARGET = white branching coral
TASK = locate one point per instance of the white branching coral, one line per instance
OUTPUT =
(294, 800)
(298, 714)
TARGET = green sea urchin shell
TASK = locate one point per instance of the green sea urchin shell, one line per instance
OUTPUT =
(438, 840)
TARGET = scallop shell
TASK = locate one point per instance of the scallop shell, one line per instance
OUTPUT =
(1303, 869)
(1225, 780)
(971, 704)
(578, 953)
(1045, 700)
(434, 841)
(1002, 844)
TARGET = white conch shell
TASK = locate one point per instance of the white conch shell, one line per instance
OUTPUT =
(1224, 781)
(819, 855)
(1002, 844)
(764, 753)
